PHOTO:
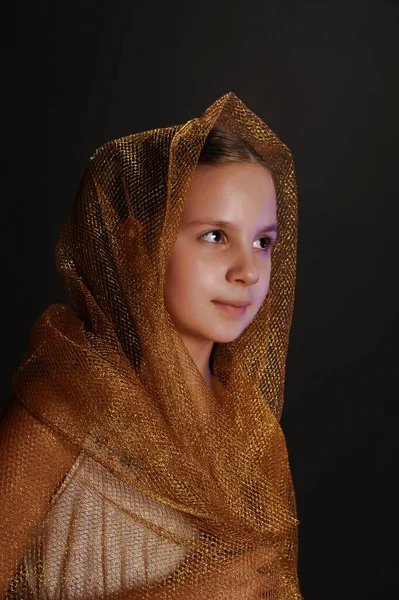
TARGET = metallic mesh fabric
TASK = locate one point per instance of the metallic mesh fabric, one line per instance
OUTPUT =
(123, 475)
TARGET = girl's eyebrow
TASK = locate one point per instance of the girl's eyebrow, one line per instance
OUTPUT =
(227, 224)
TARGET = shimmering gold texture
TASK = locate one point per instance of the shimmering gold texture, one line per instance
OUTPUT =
(154, 499)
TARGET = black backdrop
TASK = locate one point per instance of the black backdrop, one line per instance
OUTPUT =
(325, 78)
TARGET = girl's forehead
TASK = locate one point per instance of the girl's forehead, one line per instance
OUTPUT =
(232, 188)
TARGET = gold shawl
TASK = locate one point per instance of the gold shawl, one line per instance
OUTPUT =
(110, 375)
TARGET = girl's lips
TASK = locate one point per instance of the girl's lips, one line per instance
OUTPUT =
(240, 303)
(233, 310)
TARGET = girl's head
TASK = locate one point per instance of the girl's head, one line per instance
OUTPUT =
(184, 218)
(219, 269)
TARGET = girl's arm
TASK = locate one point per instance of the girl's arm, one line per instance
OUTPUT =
(243, 578)
(32, 463)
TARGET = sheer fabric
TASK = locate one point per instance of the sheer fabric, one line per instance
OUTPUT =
(161, 497)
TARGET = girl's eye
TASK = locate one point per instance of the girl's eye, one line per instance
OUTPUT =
(214, 237)
(264, 243)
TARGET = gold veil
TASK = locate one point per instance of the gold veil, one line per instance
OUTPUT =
(159, 496)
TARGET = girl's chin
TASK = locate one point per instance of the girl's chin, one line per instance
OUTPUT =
(225, 337)
(216, 335)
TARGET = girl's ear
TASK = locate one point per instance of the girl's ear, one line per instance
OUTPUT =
(130, 228)
(132, 245)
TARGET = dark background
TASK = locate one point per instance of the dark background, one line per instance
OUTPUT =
(325, 78)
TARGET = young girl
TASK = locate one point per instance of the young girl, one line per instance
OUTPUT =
(141, 455)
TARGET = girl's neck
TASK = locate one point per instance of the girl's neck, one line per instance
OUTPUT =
(200, 352)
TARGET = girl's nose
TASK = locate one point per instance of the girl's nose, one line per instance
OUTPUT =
(243, 270)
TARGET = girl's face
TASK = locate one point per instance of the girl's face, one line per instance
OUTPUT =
(219, 270)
